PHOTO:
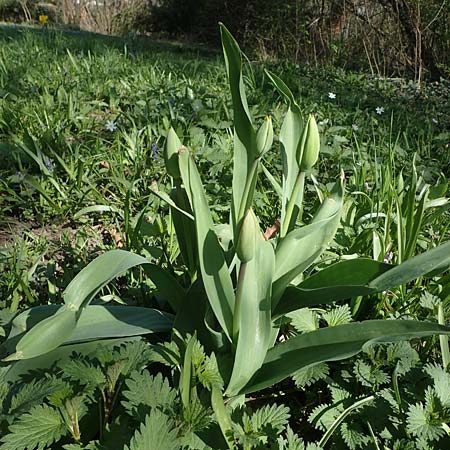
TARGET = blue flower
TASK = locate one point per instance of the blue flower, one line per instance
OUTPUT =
(155, 151)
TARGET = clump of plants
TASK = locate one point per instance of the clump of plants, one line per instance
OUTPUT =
(231, 309)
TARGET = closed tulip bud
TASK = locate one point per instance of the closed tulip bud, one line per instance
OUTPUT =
(246, 245)
(171, 148)
(264, 137)
(400, 184)
(310, 146)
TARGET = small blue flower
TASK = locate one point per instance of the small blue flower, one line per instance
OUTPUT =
(48, 163)
(155, 151)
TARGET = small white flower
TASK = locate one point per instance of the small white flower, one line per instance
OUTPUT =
(110, 125)
(366, 186)
(331, 95)
(358, 163)
(388, 257)
(379, 110)
(434, 120)
(355, 127)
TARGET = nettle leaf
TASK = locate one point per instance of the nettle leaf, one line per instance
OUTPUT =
(145, 391)
(167, 353)
(313, 446)
(290, 442)
(33, 393)
(196, 416)
(323, 416)
(304, 320)
(158, 432)
(310, 374)
(403, 355)
(136, 355)
(421, 420)
(208, 373)
(441, 380)
(339, 395)
(84, 373)
(352, 437)
(268, 419)
(369, 375)
(338, 316)
(4, 390)
(37, 429)
(429, 301)
(198, 354)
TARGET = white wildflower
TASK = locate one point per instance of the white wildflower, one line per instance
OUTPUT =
(110, 125)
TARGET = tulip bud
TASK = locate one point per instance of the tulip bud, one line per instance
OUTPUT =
(400, 184)
(171, 147)
(246, 245)
(310, 145)
(264, 137)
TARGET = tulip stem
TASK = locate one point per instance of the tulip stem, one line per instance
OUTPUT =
(297, 193)
(249, 186)
(238, 302)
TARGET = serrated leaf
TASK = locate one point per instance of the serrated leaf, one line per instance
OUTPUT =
(37, 429)
(369, 375)
(323, 416)
(208, 373)
(429, 301)
(273, 418)
(135, 356)
(290, 442)
(158, 432)
(33, 393)
(304, 320)
(311, 374)
(338, 316)
(421, 423)
(352, 437)
(143, 391)
(441, 381)
(84, 373)
(403, 355)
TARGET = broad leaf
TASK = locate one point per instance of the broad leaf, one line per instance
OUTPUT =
(290, 135)
(215, 275)
(95, 322)
(299, 249)
(340, 281)
(254, 316)
(245, 152)
(429, 263)
(97, 274)
(334, 343)
(37, 429)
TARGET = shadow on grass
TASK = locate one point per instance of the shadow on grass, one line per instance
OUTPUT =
(62, 39)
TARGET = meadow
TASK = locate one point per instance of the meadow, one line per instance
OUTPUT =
(120, 269)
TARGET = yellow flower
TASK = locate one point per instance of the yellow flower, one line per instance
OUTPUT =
(43, 19)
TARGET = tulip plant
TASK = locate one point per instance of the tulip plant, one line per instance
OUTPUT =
(243, 285)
